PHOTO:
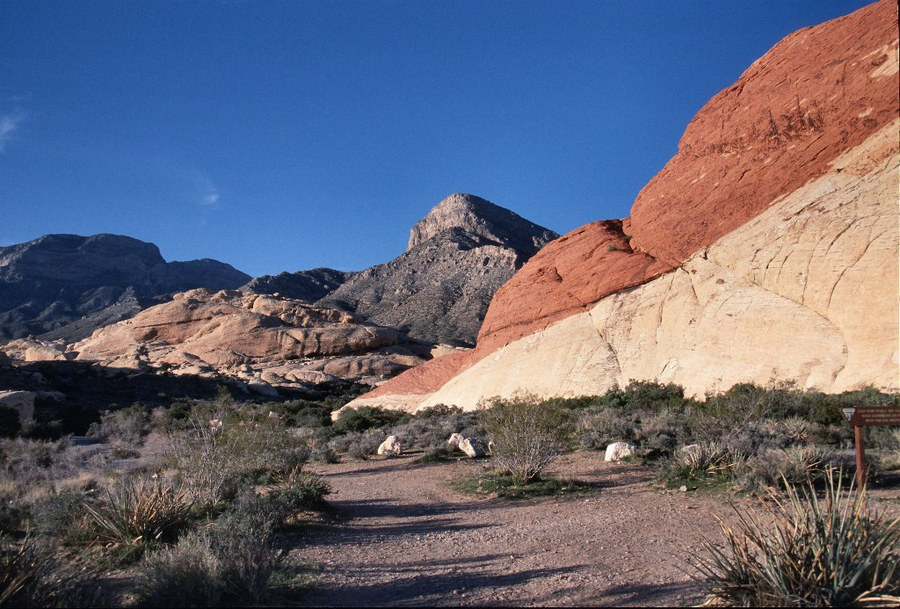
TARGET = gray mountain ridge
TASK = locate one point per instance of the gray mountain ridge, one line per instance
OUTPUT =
(65, 286)
(439, 290)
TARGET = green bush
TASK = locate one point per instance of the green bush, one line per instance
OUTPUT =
(296, 492)
(227, 564)
(526, 435)
(213, 458)
(124, 428)
(366, 418)
(358, 445)
(599, 427)
(828, 552)
(188, 574)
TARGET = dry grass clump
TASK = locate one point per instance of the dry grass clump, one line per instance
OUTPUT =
(820, 552)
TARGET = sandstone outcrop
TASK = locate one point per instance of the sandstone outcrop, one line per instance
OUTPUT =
(55, 280)
(260, 339)
(766, 249)
(439, 289)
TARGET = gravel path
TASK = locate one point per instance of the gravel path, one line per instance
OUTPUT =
(403, 537)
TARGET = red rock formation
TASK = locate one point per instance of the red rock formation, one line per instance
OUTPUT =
(814, 95)
(818, 93)
(568, 276)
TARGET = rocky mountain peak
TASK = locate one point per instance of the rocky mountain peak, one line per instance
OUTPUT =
(481, 217)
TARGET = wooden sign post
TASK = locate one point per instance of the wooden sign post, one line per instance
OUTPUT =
(864, 416)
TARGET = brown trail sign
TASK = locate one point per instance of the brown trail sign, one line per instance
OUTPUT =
(864, 416)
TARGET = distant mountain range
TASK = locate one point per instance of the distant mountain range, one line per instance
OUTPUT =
(64, 287)
(439, 290)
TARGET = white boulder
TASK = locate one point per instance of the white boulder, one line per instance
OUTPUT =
(619, 450)
(390, 447)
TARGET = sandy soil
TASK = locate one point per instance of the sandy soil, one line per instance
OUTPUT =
(402, 536)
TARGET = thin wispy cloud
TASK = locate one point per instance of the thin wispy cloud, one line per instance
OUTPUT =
(211, 197)
(8, 124)
(208, 194)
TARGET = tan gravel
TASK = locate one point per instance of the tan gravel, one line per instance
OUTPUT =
(402, 537)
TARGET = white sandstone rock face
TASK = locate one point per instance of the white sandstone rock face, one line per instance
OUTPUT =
(806, 292)
(391, 447)
(618, 451)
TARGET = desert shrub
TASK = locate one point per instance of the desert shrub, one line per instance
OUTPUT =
(357, 445)
(430, 429)
(820, 552)
(366, 418)
(125, 428)
(698, 462)
(61, 516)
(316, 441)
(882, 438)
(213, 459)
(508, 486)
(728, 413)
(795, 464)
(654, 397)
(598, 427)
(660, 433)
(526, 435)
(226, 564)
(243, 540)
(188, 574)
(26, 461)
(135, 511)
(295, 492)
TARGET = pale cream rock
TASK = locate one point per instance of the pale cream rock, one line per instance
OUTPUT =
(805, 292)
(619, 450)
(391, 447)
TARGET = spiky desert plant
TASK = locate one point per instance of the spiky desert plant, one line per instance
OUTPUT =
(19, 569)
(820, 552)
(143, 510)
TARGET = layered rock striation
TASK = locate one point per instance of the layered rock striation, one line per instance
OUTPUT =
(766, 249)
(251, 337)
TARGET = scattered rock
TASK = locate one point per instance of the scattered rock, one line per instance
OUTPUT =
(619, 450)
(391, 447)
(472, 447)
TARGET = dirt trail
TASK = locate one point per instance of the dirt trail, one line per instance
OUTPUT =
(403, 537)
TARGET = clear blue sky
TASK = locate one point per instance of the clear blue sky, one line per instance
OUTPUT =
(286, 135)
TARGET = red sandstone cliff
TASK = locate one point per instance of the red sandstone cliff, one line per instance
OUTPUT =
(763, 160)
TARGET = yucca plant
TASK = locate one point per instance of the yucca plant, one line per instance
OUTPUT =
(821, 552)
(19, 569)
(134, 512)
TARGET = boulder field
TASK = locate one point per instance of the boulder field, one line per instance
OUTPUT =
(765, 250)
